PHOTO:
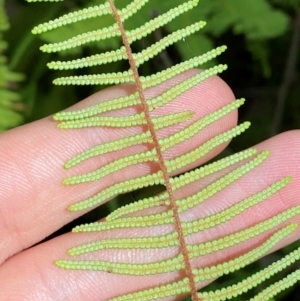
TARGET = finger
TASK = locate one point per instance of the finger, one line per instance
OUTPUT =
(48, 282)
(33, 200)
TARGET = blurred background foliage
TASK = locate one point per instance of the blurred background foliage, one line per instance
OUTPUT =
(263, 39)
(10, 105)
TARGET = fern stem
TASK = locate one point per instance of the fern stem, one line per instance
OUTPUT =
(161, 161)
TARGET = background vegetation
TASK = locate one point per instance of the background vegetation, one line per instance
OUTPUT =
(263, 39)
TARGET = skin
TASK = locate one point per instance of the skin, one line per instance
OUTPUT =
(33, 201)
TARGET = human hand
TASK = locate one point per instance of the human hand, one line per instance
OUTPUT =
(33, 201)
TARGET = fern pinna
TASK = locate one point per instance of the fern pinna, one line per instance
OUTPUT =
(167, 209)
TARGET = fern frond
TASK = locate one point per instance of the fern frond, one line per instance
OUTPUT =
(74, 17)
(235, 210)
(113, 30)
(128, 121)
(171, 165)
(169, 240)
(191, 226)
(133, 99)
(181, 287)
(147, 81)
(166, 142)
(278, 287)
(176, 263)
(254, 280)
(120, 54)
(167, 207)
(182, 180)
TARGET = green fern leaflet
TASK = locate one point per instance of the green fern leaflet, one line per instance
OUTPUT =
(167, 210)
